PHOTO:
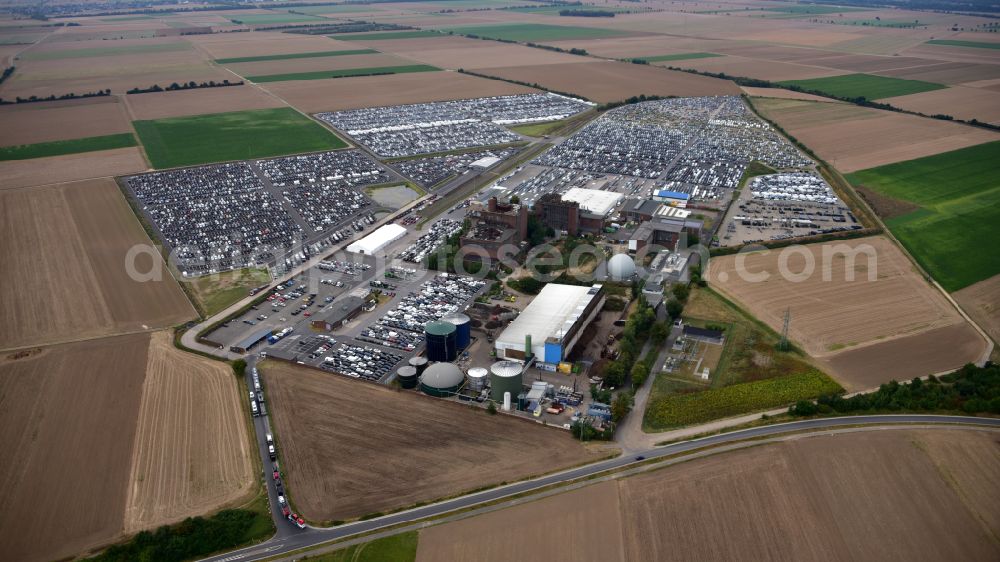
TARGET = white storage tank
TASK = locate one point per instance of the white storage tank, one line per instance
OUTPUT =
(477, 378)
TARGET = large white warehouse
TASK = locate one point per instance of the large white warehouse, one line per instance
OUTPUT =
(554, 322)
(377, 240)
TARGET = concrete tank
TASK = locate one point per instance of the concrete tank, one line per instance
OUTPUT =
(463, 329)
(505, 376)
(477, 378)
(407, 376)
(441, 345)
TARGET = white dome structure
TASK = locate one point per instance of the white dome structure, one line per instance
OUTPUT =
(621, 268)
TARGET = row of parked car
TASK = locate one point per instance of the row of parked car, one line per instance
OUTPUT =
(257, 406)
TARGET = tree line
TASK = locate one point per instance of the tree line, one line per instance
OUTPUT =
(971, 390)
(184, 86)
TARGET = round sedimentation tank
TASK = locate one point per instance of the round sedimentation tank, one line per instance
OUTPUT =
(419, 363)
(407, 376)
(463, 329)
(441, 379)
(505, 376)
(477, 378)
(441, 344)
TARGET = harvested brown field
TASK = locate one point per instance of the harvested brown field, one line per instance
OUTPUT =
(537, 526)
(868, 63)
(781, 93)
(62, 120)
(753, 68)
(957, 101)
(259, 43)
(885, 495)
(118, 73)
(933, 351)
(856, 138)
(860, 316)
(427, 448)
(947, 73)
(69, 418)
(288, 66)
(982, 303)
(608, 81)
(71, 241)
(312, 96)
(198, 102)
(644, 46)
(59, 169)
(191, 417)
(454, 52)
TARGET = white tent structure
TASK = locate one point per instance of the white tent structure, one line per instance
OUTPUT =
(377, 240)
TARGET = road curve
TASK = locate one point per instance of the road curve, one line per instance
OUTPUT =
(315, 536)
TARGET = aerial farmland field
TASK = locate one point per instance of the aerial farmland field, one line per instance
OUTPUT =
(62, 120)
(958, 195)
(834, 317)
(72, 240)
(849, 493)
(60, 147)
(202, 139)
(534, 32)
(866, 86)
(72, 416)
(610, 81)
(854, 138)
(343, 73)
(428, 449)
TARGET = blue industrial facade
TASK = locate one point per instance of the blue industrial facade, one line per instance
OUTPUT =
(553, 352)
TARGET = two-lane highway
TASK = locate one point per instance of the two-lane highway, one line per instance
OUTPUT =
(316, 536)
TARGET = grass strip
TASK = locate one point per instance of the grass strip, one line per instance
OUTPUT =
(75, 146)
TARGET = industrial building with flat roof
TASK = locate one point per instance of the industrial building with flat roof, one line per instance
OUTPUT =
(551, 324)
(382, 237)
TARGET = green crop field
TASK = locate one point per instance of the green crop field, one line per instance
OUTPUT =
(58, 148)
(678, 56)
(682, 409)
(972, 44)
(277, 17)
(343, 73)
(954, 234)
(217, 137)
(315, 54)
(105, 51)
(866, 86)
(415, 34)
(534, 32)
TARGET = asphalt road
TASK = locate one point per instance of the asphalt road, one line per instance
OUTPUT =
(286, 541)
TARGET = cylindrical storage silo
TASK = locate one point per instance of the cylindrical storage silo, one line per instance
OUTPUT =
(440, 341)
(407, 376)
(463, 329)
(505, 376)
(477, 378)
(419, 363)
